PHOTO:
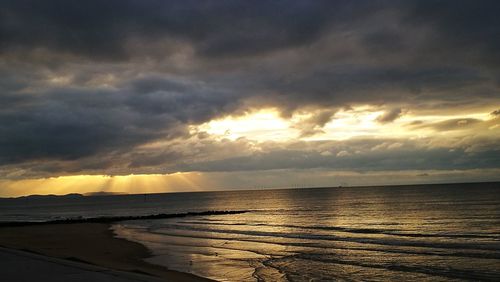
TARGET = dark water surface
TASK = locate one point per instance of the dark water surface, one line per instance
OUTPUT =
(424, 232)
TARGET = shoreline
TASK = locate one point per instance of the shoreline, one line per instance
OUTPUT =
(90, 243)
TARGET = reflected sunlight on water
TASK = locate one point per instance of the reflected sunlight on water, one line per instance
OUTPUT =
(380, 233)
(422, 232)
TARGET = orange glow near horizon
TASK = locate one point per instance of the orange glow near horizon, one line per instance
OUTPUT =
(141, 183)
(261, 125)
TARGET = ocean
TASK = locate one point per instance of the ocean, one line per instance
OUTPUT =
(409, 233)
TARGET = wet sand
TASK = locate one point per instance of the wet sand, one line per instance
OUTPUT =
(92, 243)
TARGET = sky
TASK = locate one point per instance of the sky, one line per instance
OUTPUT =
(163, 96)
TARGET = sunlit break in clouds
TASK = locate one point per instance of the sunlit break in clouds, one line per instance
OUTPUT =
(164, 96)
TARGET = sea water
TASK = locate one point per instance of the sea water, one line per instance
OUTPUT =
(407, 233)
(414, 233)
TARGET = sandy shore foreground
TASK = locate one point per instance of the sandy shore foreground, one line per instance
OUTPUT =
(92, 243)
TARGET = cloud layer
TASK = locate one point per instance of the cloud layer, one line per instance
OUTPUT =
(94, 87)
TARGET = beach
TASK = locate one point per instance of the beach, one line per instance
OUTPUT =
(92, 243)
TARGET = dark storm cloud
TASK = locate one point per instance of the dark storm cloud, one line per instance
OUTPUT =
(88, 82)
(240, 155)
(184, 102)
(69, 123)
(341, 85)
(100, 30)
(463, 30)
(356, 155)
